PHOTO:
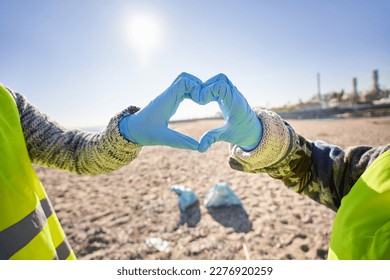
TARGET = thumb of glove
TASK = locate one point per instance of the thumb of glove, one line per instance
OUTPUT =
(211, 137)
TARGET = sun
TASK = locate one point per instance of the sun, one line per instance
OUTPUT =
(145, 35)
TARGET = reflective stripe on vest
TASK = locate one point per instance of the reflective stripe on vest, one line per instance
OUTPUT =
(361, 229)
(29, 228)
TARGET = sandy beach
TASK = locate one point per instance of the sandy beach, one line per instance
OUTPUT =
(113, 216)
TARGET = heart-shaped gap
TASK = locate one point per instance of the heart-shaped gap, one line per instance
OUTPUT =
(194, 120)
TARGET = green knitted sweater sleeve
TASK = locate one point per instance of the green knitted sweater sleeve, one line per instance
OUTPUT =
(51, 145)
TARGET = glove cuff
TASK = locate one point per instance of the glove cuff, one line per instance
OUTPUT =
(274, 145)
(120, 117)
(257, 130)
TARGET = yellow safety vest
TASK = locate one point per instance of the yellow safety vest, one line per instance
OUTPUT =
(361, 229)
(29, 228)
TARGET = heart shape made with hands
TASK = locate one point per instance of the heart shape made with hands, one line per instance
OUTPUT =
(149, 126)
(242, 127)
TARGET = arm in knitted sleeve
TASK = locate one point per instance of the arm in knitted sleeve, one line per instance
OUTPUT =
(76, 151)
(323, 172)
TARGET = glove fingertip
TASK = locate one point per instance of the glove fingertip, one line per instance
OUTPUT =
(178, 140)
(205, 143)
(188, 144)
(203, 148)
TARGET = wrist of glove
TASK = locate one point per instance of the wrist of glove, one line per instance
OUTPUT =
(277, 141)
(252, 133)
(124, 124)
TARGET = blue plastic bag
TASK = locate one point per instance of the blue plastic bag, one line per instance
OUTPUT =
(186, 196)
(221, 195)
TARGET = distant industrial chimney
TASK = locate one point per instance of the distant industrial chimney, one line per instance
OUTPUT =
(375, 79)
(354, 86)
(355, 95)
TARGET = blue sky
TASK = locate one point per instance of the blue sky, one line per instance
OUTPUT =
(82, 61)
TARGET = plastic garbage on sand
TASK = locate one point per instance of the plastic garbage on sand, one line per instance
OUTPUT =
(221, 195)
(186, 196)
(158, 243)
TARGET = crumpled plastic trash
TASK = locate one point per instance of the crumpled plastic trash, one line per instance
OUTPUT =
(158, 243)
(221, 195)
(186, 196)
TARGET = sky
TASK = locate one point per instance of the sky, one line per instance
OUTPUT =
(83, 61)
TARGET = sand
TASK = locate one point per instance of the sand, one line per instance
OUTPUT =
(112, 216)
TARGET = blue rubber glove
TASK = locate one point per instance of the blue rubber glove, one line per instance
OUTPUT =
(149, 126)
(242, 126)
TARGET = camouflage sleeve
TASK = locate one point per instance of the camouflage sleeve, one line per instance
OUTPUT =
(323, 172)
(51, 145)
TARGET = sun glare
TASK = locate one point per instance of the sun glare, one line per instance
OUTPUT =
(145, 34)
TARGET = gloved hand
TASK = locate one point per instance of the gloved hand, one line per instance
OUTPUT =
(149, 126)
(242, 126)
